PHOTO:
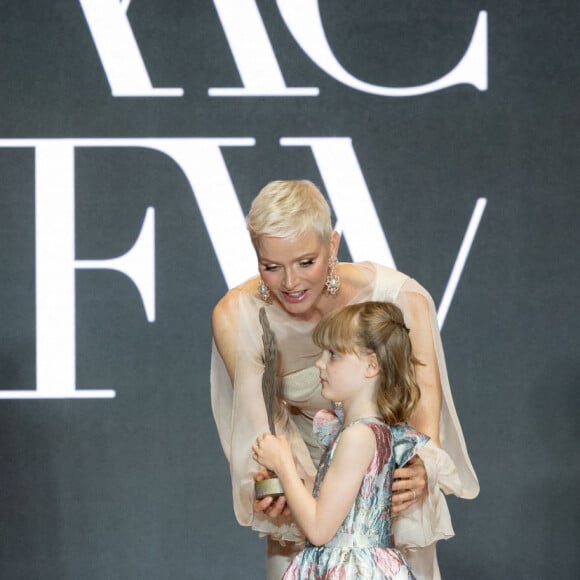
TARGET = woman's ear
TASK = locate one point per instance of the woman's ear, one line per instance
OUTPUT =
(334, 243)
(372, 366)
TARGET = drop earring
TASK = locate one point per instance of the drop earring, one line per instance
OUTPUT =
(263, 291)
(332, 279)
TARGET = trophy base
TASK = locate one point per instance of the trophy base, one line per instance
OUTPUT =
(268, 488)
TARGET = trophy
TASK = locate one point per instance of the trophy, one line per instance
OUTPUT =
(271, 486)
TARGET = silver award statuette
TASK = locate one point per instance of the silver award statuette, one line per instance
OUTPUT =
(271, 486)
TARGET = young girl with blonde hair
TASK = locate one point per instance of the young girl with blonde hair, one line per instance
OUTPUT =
(368, 368)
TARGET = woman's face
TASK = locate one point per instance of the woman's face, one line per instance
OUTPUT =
(295, 269)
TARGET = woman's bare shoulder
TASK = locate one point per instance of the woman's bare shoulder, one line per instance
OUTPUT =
(355, 276)
(227, 307)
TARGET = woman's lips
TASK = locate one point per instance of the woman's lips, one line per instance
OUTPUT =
(294, 297)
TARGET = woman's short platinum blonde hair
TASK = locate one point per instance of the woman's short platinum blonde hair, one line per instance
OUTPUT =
(287, 209)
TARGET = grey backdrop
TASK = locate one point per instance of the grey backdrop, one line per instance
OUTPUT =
(136, 486)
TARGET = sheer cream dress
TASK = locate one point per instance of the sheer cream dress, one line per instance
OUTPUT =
(240, 417)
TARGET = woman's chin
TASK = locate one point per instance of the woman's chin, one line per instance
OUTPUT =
(295, 307)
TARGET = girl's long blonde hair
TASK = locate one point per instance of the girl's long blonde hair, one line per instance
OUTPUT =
(376, 327)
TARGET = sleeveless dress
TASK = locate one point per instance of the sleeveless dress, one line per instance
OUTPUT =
(363, 546)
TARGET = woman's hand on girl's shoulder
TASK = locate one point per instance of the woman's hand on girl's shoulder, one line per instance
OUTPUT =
(410, 485)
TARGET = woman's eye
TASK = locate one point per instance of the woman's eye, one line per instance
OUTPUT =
(306, 263)
(270, 268)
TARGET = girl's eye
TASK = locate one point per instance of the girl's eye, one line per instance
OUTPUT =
(332, 355)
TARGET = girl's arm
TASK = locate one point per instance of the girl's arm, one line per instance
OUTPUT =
(320, 518)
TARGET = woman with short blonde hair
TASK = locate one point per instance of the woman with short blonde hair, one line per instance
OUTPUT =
(299, 282)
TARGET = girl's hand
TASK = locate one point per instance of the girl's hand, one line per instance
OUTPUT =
(410, 485)
(271, 451)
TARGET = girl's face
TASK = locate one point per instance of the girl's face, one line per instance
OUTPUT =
(342, 376)
(295, 270)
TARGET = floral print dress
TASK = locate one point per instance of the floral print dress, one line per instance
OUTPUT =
(363, 546)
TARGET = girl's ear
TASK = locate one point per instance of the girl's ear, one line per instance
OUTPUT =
(372, 366)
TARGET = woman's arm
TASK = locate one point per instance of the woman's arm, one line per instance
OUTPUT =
(225, 324)
(445, 463)
(320, 518)
(426, 415)
(411, 483)
(240, 413)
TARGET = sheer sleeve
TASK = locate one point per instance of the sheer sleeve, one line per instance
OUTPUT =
(448, 467)
(450, 433)
(240, 416)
